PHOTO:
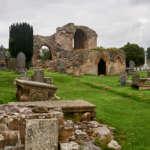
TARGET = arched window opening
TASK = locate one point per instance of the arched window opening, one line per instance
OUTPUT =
(79, 41)
(45, 53)
(102, 67)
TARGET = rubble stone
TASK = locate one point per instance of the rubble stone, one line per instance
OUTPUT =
(114, 145)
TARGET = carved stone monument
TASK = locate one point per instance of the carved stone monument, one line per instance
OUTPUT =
(2, 58)
(20, 63)
(34, 91)
(41, 134)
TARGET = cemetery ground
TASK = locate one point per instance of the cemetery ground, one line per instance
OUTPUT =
(126, 109)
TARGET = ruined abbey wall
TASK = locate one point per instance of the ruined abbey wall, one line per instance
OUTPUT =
(72, 51)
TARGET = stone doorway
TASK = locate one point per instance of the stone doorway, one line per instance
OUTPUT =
(102, 67)
(79, 41)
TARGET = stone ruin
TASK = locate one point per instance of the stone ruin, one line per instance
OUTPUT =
(2, 58)
(44, 126)
(72, 50)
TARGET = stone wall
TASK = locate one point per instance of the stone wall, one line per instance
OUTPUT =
(81, 62)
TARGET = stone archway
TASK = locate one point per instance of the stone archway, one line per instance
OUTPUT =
(80, 39)
(102, 67)
(45, 53)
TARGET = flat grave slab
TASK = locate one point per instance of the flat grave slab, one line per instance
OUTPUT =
(73, 106)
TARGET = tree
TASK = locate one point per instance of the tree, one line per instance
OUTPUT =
(134, 52)
(21, 39)
(45, 54)
(148, 53)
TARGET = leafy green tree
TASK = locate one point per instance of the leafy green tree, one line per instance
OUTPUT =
(45, 54)
(21, 39)
(134, 52)
(148, 53)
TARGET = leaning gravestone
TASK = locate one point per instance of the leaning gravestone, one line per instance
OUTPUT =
(2, 58)
(41, 134)
(123, 78)
(20, 63)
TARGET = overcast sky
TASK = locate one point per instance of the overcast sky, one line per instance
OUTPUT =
(115, 21)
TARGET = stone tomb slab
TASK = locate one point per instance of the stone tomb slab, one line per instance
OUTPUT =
(67, 106)
(41, 134)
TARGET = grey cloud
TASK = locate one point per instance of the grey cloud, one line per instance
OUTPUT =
(140, 1)
(115, 21)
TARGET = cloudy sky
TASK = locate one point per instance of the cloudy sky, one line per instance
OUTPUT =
(115, 21)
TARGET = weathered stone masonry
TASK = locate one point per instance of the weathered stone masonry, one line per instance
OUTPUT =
(72, 51)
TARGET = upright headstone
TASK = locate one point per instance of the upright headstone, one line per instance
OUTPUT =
(20, 63)
(62, 66)
(38, 76)
(131, 65)
(123, 78)
(148, 73)
(2, 58)
(41, 134)
(12, 64)
(135, 80)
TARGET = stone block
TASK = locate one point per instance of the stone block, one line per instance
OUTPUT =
(41, 134)
(70, 146)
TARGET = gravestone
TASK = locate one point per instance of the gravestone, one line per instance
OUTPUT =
(38, 76)
(12, 64)
(135, 80)
(62, 66)
(24, 75)
(131, 64)
(123, 78)
(20, 63)
(2, 58)
(148, 74)
(41, 134)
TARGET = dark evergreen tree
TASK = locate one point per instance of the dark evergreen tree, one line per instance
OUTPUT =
(134, 52)
(21, 39)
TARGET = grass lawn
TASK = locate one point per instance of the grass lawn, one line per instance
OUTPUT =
(126, 109)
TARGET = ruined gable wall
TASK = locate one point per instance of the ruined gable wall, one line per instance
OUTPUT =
(65, 35)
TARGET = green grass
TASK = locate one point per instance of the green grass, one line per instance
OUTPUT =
(126, 109)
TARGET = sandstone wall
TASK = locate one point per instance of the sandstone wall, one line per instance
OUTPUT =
(65, 36)
(85, 62)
